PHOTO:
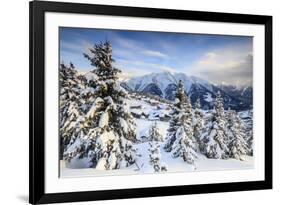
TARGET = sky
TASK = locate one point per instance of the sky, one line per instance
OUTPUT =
(219, 59)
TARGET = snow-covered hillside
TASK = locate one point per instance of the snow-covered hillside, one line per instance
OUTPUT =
(79, 167)
(174, 165)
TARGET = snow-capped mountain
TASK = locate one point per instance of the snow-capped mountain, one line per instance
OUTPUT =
(163, 80)
(165, 84)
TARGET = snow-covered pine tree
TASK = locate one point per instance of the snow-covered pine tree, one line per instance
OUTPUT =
(154, 149)
(238, 145)
(198, 122)
(155, 157)
(154, 133)
(69, 100)
(250, 142)
(180, 132)
(215, 139)
(85, 145)
(174, 122)
(248, 125)
(110, 128)
(229, 123)
(184, 145)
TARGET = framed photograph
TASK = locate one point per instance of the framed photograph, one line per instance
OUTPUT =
(130, 102)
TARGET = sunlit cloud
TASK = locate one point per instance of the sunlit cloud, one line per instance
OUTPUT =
(138, 68)
(226, 66)
(154, 54)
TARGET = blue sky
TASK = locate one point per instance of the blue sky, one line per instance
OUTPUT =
(217, 58)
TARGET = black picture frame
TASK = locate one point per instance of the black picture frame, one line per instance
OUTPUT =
(37, 9)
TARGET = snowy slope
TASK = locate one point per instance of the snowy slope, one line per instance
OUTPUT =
(174, 165)
(79, 167)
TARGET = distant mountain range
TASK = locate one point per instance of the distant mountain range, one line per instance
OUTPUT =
(165, 85)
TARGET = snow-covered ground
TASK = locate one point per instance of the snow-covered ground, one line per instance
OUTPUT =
(173, 165)
(142, 165)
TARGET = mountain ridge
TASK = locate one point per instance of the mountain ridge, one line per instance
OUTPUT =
(164, 85)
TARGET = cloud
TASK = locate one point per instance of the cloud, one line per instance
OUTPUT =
(154, 54)
(126, 43)
(164, 68)
(124, 76)
(231, 65)
(70, 46)
(78, 47)
(125, 47)
(138, 68)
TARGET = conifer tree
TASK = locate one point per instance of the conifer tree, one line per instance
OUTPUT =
(229, 124)
(250, 142)
(110, 128)
(180, 132)
(154, 149)
(238, 145)
(69, 100)
(248, 125)
(154, 133)
(175, 123)
(184, 146)
(198, 123)
(215, 139)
